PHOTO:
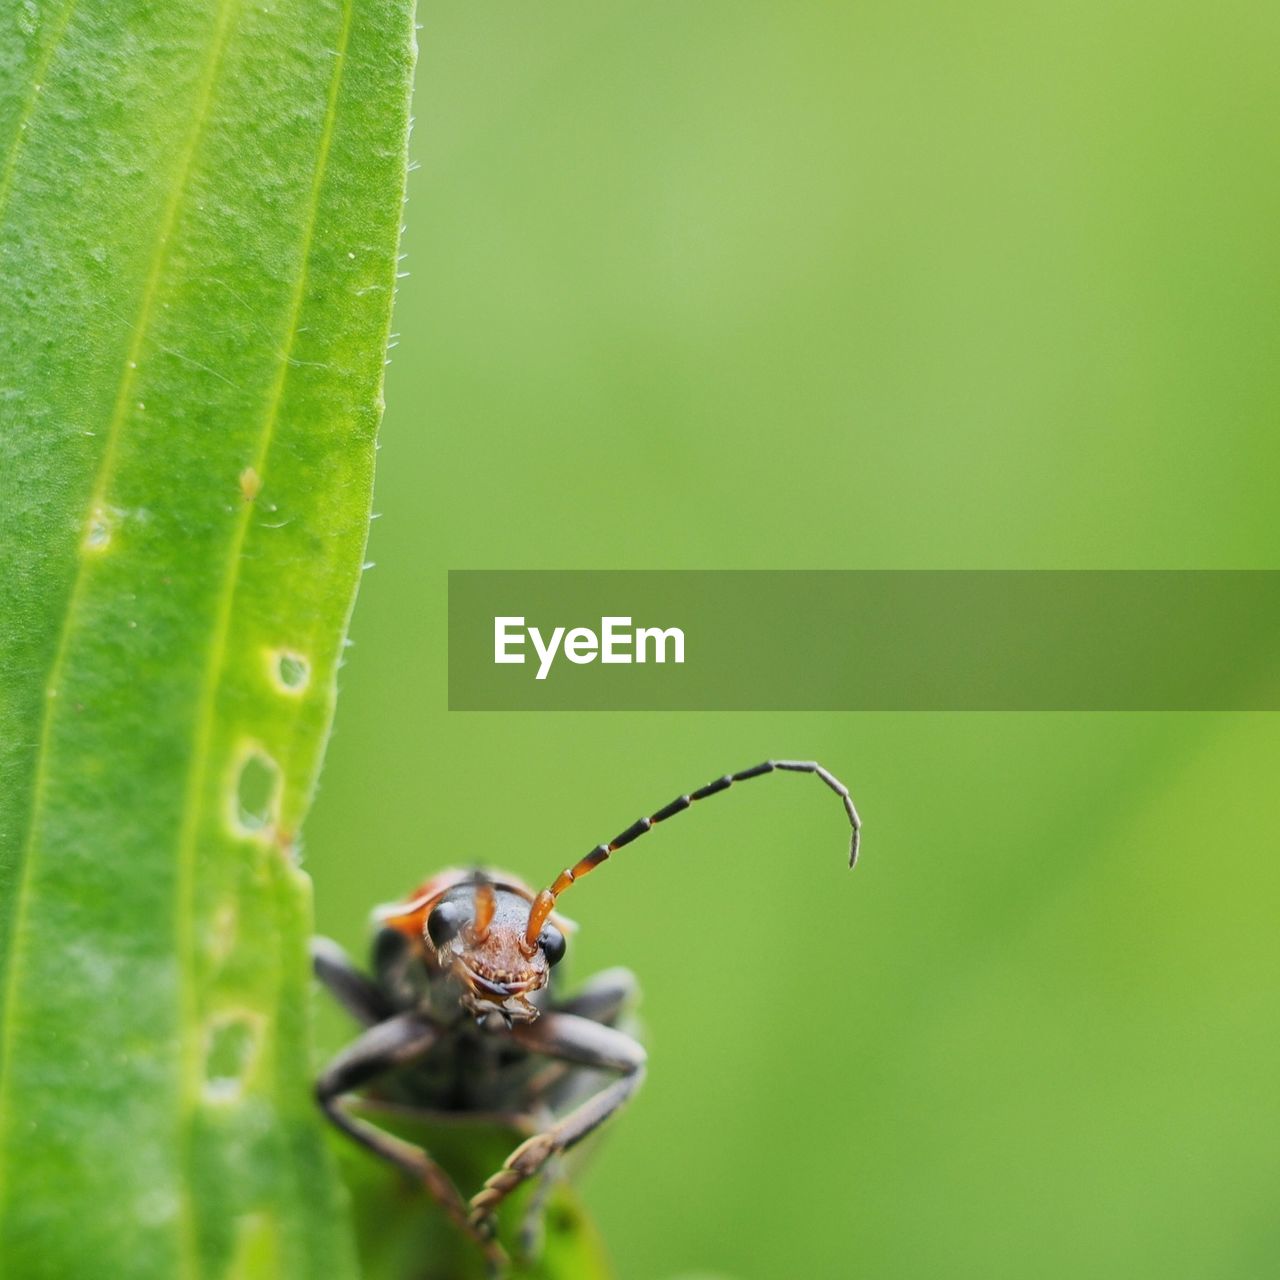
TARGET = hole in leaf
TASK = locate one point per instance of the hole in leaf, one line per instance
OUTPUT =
(291, 670)
(257, 793)
(222, 931)
(156, 1207)
(231, 1048)
(97, 532)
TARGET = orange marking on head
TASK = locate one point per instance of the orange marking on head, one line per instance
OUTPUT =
(412, 921)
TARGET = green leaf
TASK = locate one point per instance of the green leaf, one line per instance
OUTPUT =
(403, 1234)
(199, 211)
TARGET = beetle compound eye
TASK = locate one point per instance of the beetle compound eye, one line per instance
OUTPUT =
(551, 940)
(443, 923)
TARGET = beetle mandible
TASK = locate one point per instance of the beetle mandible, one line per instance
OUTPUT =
(461, 1008)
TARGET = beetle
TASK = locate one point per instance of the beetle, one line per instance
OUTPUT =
(461, 1016)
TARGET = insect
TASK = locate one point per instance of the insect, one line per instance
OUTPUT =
(461, 1016)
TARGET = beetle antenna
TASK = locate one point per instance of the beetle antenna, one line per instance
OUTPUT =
(545, 902)
(484, 904)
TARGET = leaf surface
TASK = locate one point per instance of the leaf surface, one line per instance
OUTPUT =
(404, 1236)
(199, 214)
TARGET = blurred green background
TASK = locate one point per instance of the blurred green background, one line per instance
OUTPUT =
(742, 285)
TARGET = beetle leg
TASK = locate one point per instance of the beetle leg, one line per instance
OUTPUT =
(589, 1044)
(380, 1049)
(531, 1233)
(532, 1220)
(360, 996)
(604, 997)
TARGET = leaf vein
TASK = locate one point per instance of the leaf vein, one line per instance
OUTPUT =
(159, 260)
(197, 778)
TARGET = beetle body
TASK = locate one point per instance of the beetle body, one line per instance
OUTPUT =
(471, 990)
(462, 1017)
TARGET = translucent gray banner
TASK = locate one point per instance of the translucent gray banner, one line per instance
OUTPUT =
(925, 640)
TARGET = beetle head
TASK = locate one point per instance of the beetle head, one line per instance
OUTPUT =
(474, 929)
